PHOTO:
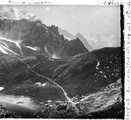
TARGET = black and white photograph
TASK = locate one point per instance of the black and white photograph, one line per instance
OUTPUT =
(61, 61)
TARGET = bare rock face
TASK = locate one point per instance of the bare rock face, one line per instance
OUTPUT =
(27, 38)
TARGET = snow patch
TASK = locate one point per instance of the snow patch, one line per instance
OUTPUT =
(17, 43)
(46, 50)
(97, 66)
(9, 50)
(14, 14)
(1, 88)
(55, 56)
(2, 50)
(38, 83)
(44, 84)
(49, 101)
(33, 48)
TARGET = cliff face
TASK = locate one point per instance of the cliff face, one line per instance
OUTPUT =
(29, 38)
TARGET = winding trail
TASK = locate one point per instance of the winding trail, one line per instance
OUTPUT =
(17, 43)
(71, 103)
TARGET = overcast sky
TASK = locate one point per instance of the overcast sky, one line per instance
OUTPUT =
(84, 19)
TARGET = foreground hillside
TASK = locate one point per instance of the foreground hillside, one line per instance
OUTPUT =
(92, 81)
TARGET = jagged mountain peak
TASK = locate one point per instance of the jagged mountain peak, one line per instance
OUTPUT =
(84, 40)
(15, 14)
(69, 36)
(78, 34)
(66, 34)
(34, 35)
(27, 38)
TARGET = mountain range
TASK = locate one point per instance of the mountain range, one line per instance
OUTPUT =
(30, 38)
(45, 75)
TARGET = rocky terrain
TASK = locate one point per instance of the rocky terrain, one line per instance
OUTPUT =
(27, 38)
(43, 75)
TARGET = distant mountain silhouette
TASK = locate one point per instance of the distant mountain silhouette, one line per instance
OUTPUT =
(66, 34)
(84, 41)
(69, 36)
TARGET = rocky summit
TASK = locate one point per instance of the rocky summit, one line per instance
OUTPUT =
(24, 37)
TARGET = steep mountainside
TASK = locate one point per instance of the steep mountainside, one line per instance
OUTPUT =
(80, 75)
(26, 38)
(84, 41)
